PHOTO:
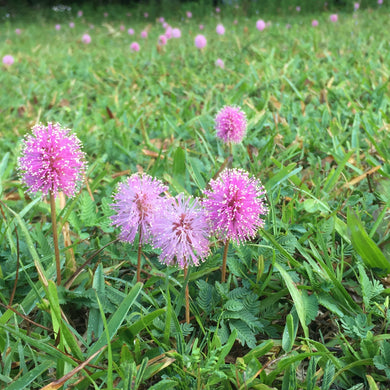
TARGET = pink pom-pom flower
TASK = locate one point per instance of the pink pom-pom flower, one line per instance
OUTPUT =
(334, 18)
(51, 161)
(200, 41)
(181, 232)
(86, 38)
(219, 62)
(220, 29)
(234, 205)
(176, 33)
(8, 60)
(260, 25)
(314, 23)
(230, 124)
(134, 46)
(138, 201)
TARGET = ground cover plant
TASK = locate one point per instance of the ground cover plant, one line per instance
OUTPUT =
(216, 216)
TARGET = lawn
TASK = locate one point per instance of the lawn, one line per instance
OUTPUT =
(304, 301)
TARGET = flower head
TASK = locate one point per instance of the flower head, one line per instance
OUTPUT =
(176, 33)
(137, 201)
(234, 205)
(144, 34)
(260, 25)
(51, 160)
(220, 29)
(333, 18)
(314, 23)
(71, 24)
(58, 27)
(162, 40)
(189, 14)
(18, 31)
(130, 31)
(182, 233)
(230, 124)
(200, 41)
(86, 39)
(219, 62)
(8, 60)
(134, 46)
(79, 14)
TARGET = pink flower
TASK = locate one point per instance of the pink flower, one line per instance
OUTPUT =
(217, 10)
(161, 20)
(230, 124)
(58, 27)
(18, 31)
(181, 231)
(220, 63)
(298, 8)
(165, 25)
(380, 2)
(79, 14)
(201, 27)
(146, 15)
(235, 21)
(130, 31)
(234, 205)
(176, 33)
(356, 6)
(138, 201)
(314, 23)
(162, 40)
(51, 160)
(122, 27)
(71, 24)
(134, 46)
(168, 32)
(260, 25)
(220, 29)
(333, 18)
(86, 39)
(200, 41)
(189, 14)
(144, 34)
(8, 60)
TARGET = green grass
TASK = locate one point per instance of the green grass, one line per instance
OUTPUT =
(306, 302)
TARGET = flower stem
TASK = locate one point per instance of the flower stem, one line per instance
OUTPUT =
(55, 236)
(139, 257)
(225, 252)
(187, 294)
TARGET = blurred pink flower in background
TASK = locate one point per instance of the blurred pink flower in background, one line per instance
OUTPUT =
(176, 33)
(220, 29)
(168, 32)
(314, 23)
(235, 21)
(260, 25)
(144, 34)
(333, 18)
(58, 27)
(134, 46)
(122, 27)
(200, 41)
(71, 24)
(220, 63)
(165, 25)
(161, 20)
(218, 10)
(79, 14)
(8, 60)
(86, 38)
(130, 31)
(189, 14)
(201, 27)
(18, 31)
(298, 8)
(356, 6)
(146, 15)
(162, 40)
(380, 2)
